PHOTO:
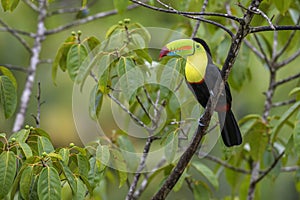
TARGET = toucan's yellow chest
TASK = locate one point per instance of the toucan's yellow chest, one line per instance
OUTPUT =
(195, 67)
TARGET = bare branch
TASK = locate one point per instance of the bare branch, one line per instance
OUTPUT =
(137, 120)
(254, 49)
(262, 51)
(140, 168)
(14, 67)
(287, 44)
(288, 60)
(204, 5)
(284, 103)
(270, 168)
(225, 164)
(278, 28)
(287, 79)
(37, 117)
(191, 15)
(85, 20)
(254, 176)
(16, 35)
(34, 61)
(31, 5)
(206, 117)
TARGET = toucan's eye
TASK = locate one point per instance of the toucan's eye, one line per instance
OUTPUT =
(197, 46)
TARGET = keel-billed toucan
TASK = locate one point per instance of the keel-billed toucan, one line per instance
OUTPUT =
(201, 75)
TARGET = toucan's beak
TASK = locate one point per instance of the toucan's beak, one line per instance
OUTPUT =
(164, 51)
(181, 47)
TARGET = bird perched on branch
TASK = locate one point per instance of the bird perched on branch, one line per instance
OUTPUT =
(201, 75)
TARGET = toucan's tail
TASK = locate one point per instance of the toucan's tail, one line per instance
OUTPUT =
(231, 133)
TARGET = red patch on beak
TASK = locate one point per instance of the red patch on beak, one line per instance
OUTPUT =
(164, 51)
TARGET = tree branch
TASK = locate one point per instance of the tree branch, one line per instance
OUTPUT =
(206, 117)
(85, 20)
(16, 35)
(36, 49)
(278, 28)
(204, 5)
(191, 15)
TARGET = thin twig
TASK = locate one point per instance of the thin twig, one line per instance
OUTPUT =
(137, 120)
(287, 80)
(284, 103)
(140, 168)
(34, 61)
(266, 172)
(287, 44)
(86, 20)
(15, 67)
(196, 27)
(288, 60)
(278, 28)
(224, 164)
(262, 51)
(16, 35)
(145, 182)
(191, 15)
(37, 117)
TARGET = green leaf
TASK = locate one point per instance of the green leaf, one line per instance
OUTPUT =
(8, 167)
(242, 73)
(257, 139)
(2, 135)
(41, 132)
(65, 153)
(44, 145)
(61, 57)
(77, 54)
(69, 176)
(120, 165)
(93, 42)
(103, 155)
(14, 4)
(95, 173)
(104, 82)
(53, 155)
(141, 53)
(284, 118)
(83, 165)
(49, 187)
(111, 30)
(10, 75)
(5, 5)
(121, 5)
(128, 152)
(296, 134)
(96, 99)
(8, 96)
(26, 149)
(15, 186)
(21, 136)
(296, 92)
(81, 190)
(207, 173)
(181, 180)
(171, 146)
(201, 192)
(26, 181)
(282, 6)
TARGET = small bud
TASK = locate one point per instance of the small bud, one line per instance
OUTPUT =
(31, 128)
(127, 21)
(120, 23)
(27, 126)
(44, 154)
(73, 33)
(13, 139)
(79, 33)
(71, 145)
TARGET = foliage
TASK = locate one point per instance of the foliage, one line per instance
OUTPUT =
(120, 67)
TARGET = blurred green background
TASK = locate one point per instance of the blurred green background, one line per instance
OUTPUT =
(56, 113)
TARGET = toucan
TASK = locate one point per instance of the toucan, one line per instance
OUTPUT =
(201, 75)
